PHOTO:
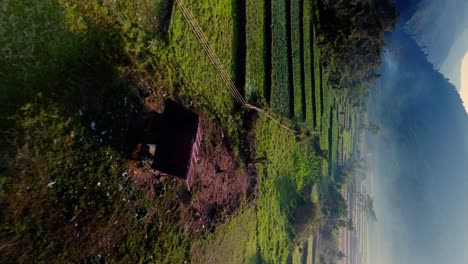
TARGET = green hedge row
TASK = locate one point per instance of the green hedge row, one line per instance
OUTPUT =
(297, 58)
(318, 79)
(256, 51)
(280, 84)
(308, 59)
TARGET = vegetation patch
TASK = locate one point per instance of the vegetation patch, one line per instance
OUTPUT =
(281, 92)
(308, 63)
(297, 58)
(318, 86)
(256, 52)
(69, 189)
(281, 181)
(235, 242)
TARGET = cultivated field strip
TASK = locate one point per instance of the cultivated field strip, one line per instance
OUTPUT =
(297, 56)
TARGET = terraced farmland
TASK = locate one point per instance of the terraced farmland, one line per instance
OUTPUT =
(283, 67)
(283, 73)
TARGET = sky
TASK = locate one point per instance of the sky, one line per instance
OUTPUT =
(464, 81)
(419, 161)
(452, 64)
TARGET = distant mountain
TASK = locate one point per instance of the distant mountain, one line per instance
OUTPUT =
(440, 28)
(407, 8)
(421, 159)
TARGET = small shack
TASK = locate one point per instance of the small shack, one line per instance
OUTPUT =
(176, 134)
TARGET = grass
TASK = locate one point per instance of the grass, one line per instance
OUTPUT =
(290, 166)
(335, 134)
(39, 52)
(64, 194)
(348, 141)
(280, 183)
(235, 242)
(256, 52)
(299, 255)
(310, 250)
(69, 185)
(281, 94)
(329, 133)
(193, 66)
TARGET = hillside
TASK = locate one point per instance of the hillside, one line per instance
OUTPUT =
(440, 29)
(420, 158)
(77, 180)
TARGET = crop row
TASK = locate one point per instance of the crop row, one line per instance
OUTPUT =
(256, 50)
(281, 94)
(317, 79)
(297, 46)
(308, 65)
(282, 64)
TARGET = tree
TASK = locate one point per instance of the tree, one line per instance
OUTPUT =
(307, 219)
(347, 223)
(366, 203)
(372, 128)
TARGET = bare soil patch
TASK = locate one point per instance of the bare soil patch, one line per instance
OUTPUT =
(221, 182)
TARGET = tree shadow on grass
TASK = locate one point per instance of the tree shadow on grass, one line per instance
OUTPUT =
(65, 188)
(254, 259)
